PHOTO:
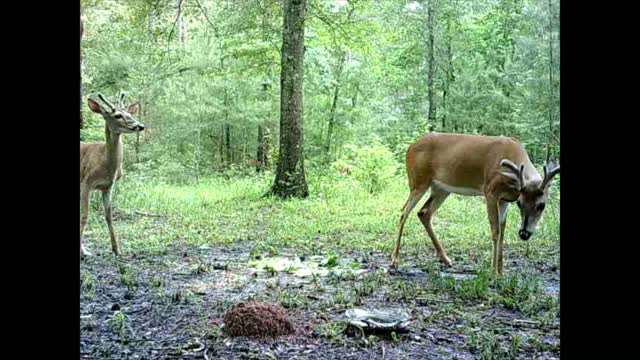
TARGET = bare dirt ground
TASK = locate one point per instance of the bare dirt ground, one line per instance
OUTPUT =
(171, 306)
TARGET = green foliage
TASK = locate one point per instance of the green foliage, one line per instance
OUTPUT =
(493, 63)
(118, 324)
(487, 346)
(373, 166)
(331, 261)
(492, 77)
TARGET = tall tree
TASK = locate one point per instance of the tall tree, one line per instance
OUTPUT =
(262, 153)
(81, 31)
(334, 102)
(449, 75)
(227, 141)
(431, 63)
(290, 180)
(550, 81)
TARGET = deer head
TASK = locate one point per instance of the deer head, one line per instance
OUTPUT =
(119, 119)
(533, 194)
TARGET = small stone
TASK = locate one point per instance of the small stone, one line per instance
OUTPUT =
(384, 320)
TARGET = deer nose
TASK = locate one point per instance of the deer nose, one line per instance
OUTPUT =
(139, 127)
(524, 234)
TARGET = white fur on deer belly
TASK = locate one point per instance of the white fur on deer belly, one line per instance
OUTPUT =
(458, 190)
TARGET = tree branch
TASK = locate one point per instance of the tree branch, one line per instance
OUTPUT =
(331, 24)
(177, 18)
(215, 29)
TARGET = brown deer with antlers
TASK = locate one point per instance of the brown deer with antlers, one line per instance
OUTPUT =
(101, 163)
(497, 168)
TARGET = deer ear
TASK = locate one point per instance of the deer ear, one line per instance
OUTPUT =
(133, 108)
(95, 107)
(514, 183)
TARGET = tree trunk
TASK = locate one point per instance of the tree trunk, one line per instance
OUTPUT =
(227, 143)
(180, 24)
(431, 66)
(225, 106)
(355, 96)
(512, 9)
(196, 157)
(449, 76)
(81, 32)
(266, 138)
(143, 116)
(267, 98)
(150, 20)
(221, 146)
(259, 150)
(550, 82)
(244, 145)
(332, 114)
(261, 153)
(290, 179)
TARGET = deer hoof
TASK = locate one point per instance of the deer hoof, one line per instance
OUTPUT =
(445, 260)
(394, 264)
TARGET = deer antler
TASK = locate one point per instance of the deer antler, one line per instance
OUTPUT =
(122, 97)
(106, 102)
(550, 170)
(518, 173)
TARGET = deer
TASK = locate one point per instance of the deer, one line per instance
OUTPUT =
(101, 163)
(495, 167)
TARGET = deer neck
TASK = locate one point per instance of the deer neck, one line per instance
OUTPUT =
(113, 150)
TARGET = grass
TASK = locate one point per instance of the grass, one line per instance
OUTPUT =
(118, 324)
(340, 215)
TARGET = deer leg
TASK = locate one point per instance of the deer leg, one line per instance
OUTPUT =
(414, 197)
(84, 213)
(437, 197)
(503, 209)
(494, 221)
(106, 202)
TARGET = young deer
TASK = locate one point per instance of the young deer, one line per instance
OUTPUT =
(101, 163)
(472, 166)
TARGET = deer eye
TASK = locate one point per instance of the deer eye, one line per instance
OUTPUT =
(118, 116)
(540, 207)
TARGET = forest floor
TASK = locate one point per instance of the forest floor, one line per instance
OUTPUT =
(191, 252)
